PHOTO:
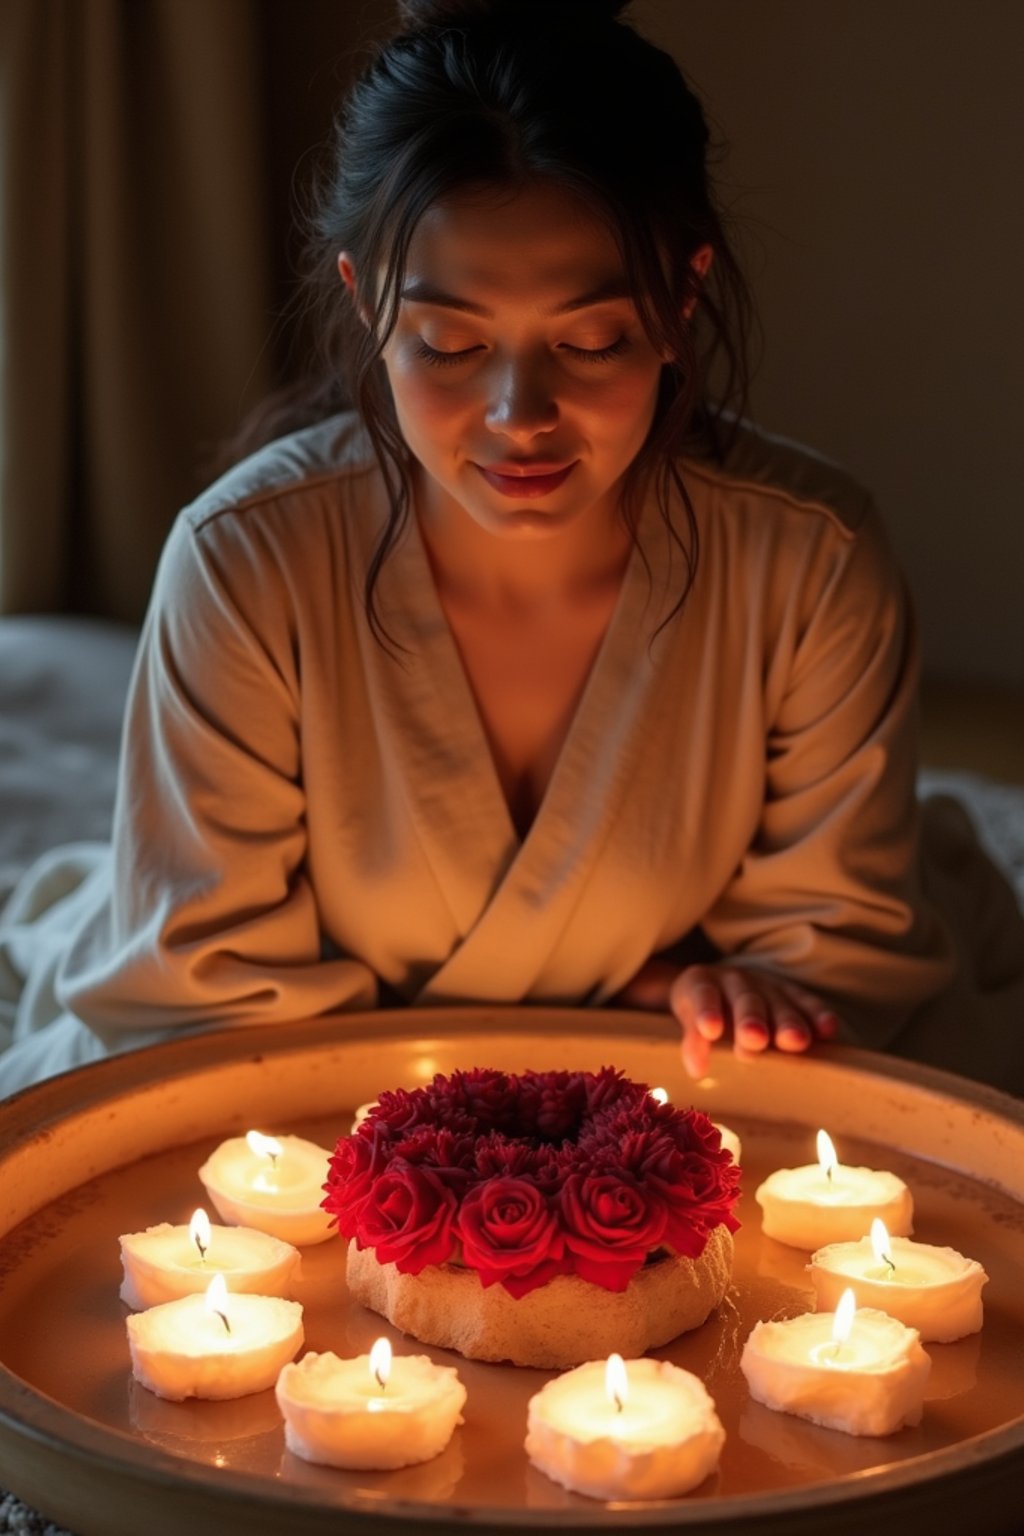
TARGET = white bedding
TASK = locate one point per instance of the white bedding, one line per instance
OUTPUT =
(62, 688)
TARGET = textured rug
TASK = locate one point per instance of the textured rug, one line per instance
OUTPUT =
(19, 1520)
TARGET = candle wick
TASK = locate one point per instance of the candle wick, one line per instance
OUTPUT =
(381, 1380)
(836, 1347)
(273, 1161)
(224, 1319)
(828, 1173)
(202, 1250)
(886, 1260)
(619, 1404)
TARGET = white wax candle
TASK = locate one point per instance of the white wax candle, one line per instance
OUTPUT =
(935, 1290)
(730, 1141)
(184, 1348)
(357, 1414)
(274, 1191)
(810, 1206)
(656, 1439)
(165, 1262)
(872, 1383)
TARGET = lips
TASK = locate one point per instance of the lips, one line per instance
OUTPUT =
(526, 480)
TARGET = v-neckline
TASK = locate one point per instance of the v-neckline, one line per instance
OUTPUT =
(465, 724)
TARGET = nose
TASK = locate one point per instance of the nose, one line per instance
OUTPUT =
(522, 401)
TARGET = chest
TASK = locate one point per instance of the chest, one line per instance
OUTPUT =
(527, 674)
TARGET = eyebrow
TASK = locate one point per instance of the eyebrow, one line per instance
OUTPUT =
(427, 293)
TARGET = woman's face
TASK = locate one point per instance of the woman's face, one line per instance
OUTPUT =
(523, 381)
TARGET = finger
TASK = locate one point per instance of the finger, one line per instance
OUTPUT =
(822, 1018)
(750, 1012)
(827, 1024)
(698, 991)
(697, 1004)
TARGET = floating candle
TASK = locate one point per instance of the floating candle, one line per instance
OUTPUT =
(810, 1206)
(859, 1371)
(935, 1290)
(215, 1345)
(273, 1184)
(165, 1262)
(646, 1430)
(369, 1413)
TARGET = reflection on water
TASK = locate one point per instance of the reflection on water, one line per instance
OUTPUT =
(210, 1432)
(430, 1482)
(954, 1368)
(799, 1446)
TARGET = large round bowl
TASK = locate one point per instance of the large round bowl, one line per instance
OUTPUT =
(116, 1147)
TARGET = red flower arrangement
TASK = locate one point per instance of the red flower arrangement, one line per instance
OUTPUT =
(526, 1177)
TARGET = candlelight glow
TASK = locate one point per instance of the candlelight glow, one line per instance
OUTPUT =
(216, 1299)
(842, 1322)
(881, 1242)
(659, 1095)
(380, 1362)
(827, 1155)
(616, 1382)
(263, 1146)
(199, 1231)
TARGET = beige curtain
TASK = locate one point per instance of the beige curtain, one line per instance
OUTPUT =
(145, 181)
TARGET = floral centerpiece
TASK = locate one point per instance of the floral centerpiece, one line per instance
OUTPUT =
(524, 1179)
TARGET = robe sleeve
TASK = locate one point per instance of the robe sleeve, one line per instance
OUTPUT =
(829, 890)
(211, 917)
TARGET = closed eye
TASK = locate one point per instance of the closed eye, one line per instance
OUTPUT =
(599, 354)
(439, 359)
(442, 359)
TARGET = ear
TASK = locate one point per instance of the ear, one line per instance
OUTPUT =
(700, 265)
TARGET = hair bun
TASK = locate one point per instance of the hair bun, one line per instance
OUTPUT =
(422, 14)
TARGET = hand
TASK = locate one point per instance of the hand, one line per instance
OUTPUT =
(713, 1001)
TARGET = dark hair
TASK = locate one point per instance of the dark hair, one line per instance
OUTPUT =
(499, 93)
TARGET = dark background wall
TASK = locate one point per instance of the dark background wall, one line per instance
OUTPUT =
(876, 161)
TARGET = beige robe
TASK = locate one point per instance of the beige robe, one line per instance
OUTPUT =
(303, 816)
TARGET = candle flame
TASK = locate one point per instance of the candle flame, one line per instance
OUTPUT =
(380, 1362)
(827, 1155)
(216, 1299)
(842, 1322)
(264, 1146)
(616, 1382)
(199, 1231)
(659, 1095)
(881, 1243)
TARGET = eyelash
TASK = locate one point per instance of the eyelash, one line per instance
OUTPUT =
(583, 354)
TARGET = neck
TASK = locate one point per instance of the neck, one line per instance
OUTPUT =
(474, 567)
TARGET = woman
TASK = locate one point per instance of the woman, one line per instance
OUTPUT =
(540, 677)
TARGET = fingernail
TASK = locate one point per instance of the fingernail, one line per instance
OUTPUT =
(828, 1023)
(710, 1025)
(753, 1033)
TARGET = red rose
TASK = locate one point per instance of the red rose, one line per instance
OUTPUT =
(407, 1218)
(351, 1172)
(397, 1109)
(491, 1097)
(509, 1233)
(604, 1088)
(611, 1224)
(700, 1197)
